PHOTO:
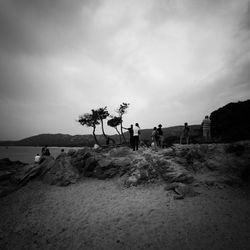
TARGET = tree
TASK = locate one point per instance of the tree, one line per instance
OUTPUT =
(121, 111)
(90, 120)
(102, 114)
(114, 122)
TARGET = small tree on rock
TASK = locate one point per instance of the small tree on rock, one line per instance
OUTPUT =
(121, 111)
(102, 114)
(114, 122)
(90, 120)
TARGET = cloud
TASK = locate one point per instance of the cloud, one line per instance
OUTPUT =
(174, 61)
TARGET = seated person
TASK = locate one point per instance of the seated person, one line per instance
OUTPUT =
(37, 158)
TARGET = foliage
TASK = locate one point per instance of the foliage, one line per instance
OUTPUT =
(114, 121)
(121, 111)
(123, 108)
(102, 113)
(88, 119)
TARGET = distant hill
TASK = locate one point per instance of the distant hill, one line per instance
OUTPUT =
(64, 140)
(54, 140)
(229, 123)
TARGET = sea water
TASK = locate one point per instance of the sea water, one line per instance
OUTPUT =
(27, 154)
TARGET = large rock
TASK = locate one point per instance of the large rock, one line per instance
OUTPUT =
(14, 175)
(109, 167)
(172, 172)
(61, 172)
(78, 160)
(231, 122)
(182, 190)
(120, 152)
(90, 166)
(132, 180)
(12, 166)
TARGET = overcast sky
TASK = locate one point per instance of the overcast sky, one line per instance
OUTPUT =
(174, 61)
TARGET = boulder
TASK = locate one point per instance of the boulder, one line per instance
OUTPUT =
(71, 152)
(61, 173)
(90, 166)
(131, 181)
(231, 122)
(109, 167)
(5, 174)
(172, 172)
(182, 190)
(120, 152)
(12, 166)
(79, 159)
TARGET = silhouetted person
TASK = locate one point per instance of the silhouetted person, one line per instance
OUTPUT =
(136, 133)
(45, 151)
(62, 154)
(161, 137)
(206, 129)
(185, 133)
(155, 137)
(131, 135)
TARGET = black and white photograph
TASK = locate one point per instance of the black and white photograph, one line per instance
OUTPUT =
(124, 124)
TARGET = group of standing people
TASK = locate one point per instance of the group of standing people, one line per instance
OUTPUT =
(206, 131)
(134, 133)
(157, 137)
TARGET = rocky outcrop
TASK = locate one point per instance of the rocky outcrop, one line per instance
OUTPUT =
(182, 165)
(60, 172)
(231, 122)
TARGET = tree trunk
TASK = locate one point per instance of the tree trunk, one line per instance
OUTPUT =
(119, 135)
(95, 136)
(124, 139)
(103, 130)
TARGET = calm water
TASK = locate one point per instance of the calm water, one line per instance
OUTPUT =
(27, 154)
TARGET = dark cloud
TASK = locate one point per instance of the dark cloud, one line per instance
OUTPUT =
(38, 27)
(246, 19)
(60, 58)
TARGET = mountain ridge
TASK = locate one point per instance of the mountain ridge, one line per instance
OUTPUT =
(65, 140)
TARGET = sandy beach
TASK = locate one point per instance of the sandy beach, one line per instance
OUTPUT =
(102, 214)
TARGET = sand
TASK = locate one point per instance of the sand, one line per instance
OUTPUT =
(102, 214)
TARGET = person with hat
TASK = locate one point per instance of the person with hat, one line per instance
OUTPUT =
(161, 137)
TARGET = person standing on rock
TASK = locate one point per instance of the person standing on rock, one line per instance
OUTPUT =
(131, 135)
(206, 129)
(185, 133)
(136, 133)
(155, 137)
(161, 137)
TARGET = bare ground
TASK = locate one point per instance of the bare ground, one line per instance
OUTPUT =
(97, 214)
